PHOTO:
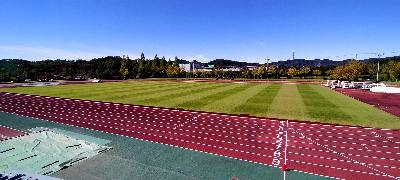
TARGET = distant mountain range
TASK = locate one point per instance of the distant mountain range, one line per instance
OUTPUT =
(293, 63)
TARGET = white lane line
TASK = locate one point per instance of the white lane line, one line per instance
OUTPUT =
(182, 124)
(351, 148)
(338, 168)
(343, 137)
(341, 128)
(377, 135)
(161, 126)
(231, 157)
(354, 143)
(342, 154)
(373, 157)
(340, 160)
(197, 127)
(246, 139)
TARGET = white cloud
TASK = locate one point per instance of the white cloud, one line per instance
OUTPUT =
(40, 53)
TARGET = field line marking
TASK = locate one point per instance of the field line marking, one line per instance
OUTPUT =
(341, 154)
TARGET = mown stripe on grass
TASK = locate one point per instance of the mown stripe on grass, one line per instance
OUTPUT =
(361, 113)
(229, 103)
(98, 93)
(288, 104)
(184, 98)
(114, 90)
(260, 103)
(136, 96)
(319, 107)
(90, 91)
(64, 89)
(213, 97)
(174, 94)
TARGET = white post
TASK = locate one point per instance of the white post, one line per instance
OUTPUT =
(284, 175)
(286, 144)
(287, 128)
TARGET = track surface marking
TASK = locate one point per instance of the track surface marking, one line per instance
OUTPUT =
(333, 151)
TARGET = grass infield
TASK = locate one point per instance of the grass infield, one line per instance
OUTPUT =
(292, 101)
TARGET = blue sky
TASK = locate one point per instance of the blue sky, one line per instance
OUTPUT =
(246, 30)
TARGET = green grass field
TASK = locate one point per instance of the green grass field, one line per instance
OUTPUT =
(292, 101)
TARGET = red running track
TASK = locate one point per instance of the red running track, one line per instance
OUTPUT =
(384, 101)
(6, 132)
(327, 150)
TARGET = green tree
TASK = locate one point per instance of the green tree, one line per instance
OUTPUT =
(392, 69)
(350, 71)
(316, 72)
(304, 71)
(261, 71)
(141, 66)
(124, 70)
(272, 71)
(155, 63)
(173, 71)
(292, 72)
(163, 63)
(163, 66)
(176, 62)
(245, 72)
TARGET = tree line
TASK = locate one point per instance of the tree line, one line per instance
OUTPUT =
(116, 67)
(389, 70)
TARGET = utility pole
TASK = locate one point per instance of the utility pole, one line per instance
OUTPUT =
(379, 58)
(377, 72)
(267, 62)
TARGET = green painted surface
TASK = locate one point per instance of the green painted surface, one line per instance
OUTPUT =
(74, 135)
(135, 159)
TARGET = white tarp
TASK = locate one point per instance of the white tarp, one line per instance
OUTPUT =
(385, 89)
(45, 152)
